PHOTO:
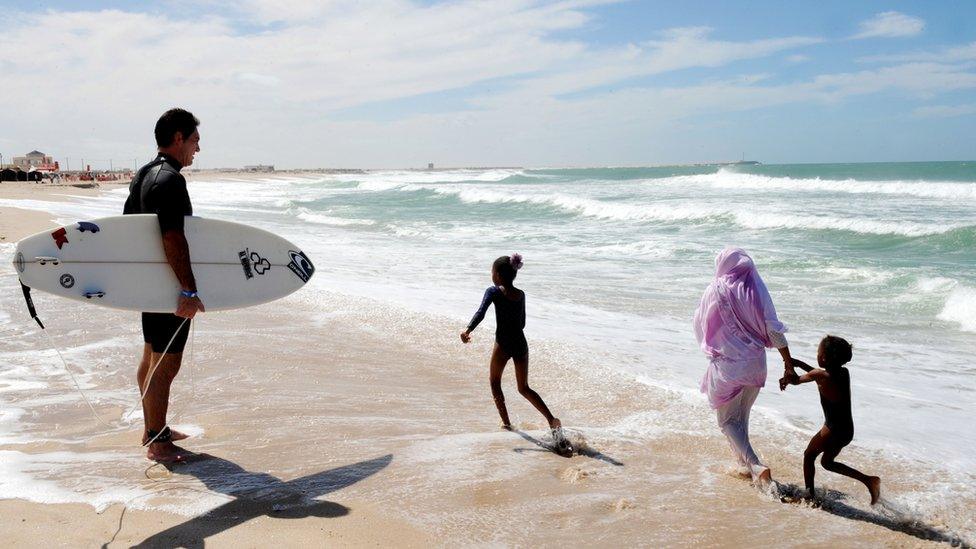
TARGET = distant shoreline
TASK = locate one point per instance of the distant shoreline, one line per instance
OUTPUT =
(242, 171)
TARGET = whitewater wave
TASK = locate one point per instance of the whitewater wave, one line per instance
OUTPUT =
(727, 179)
(960, 307)
(383, 181)
(664, 212)
(322, 219)
(764, 220)
(857, 275)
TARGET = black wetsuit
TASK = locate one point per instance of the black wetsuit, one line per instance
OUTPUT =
(837, 414)
(509, 321)
(158, 188)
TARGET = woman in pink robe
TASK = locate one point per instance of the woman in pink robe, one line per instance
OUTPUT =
(735, 323)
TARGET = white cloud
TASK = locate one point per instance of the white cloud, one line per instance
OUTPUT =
(797, 58)
(944, 111)
(679, 48)
(952, 54)
(533, 93)
(260, 79)
(111, 72)
(890, 24)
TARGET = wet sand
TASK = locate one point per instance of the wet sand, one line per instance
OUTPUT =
(330, 419)
(321, 409)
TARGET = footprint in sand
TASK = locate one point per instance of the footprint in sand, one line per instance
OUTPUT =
(624, 504)
(575, 475)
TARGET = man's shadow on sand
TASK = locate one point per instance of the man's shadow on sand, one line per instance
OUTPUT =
(884, 514)
(258, 494)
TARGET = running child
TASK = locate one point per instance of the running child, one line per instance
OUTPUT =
(834, 383)
(510, 341)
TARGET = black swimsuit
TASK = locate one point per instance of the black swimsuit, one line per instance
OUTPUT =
(837, 416)
(509, 320)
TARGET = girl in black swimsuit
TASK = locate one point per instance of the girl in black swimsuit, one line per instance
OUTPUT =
(510, 341)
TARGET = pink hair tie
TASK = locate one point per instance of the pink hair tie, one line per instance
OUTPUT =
(516, 260)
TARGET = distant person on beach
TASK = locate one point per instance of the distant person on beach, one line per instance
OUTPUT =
(510, 341)
(159, 188)
(834, 383)
(735, 323)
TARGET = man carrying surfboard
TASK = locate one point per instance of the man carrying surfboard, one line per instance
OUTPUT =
(159, 188)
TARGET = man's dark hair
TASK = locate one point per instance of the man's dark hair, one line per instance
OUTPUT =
(837, 351)
(172, 121)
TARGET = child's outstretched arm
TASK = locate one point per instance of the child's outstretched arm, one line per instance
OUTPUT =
(802, 365)
(790, 378)
(813, 374)
(479, 315)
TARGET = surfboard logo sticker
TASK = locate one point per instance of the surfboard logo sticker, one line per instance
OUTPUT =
(245, 263)
(66, 280)
(301, 265)
(259, 264)
(252, 262)
(60, 237)
(19, 262)
(87, 226)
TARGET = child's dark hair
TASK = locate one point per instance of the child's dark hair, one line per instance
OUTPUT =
(507, 267)
(837, 351)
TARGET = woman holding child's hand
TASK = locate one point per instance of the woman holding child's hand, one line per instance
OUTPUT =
(735, 323)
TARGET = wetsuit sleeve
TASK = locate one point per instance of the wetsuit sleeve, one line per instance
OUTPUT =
(169, 201)
(479, 315)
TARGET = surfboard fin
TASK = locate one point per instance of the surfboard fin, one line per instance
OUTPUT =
(30, 303)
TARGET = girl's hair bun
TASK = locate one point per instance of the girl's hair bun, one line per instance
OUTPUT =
(516, 260)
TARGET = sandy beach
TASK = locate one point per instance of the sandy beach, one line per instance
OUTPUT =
(331, 420)
(16, 223)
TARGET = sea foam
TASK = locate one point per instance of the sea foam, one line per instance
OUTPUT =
(731, 180)
(747, 216)
(960, 307)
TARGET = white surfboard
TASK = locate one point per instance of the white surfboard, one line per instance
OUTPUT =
(119, 262)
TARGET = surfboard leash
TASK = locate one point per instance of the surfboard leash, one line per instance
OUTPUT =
(33, 313)
(30, 302)
(142, 393)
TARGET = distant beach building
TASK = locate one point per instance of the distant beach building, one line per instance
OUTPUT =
(35, 159)
(260, 168)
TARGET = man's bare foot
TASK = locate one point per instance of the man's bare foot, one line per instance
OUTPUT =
(505, 426)
(555, 423)
(174, 435)
(874, 486)
(167, 452)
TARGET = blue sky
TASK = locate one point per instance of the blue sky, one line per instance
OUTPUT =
(394, 83)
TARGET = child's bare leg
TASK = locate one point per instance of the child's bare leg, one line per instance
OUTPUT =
(496, 367)
(522, 379)
(873, 483)
(814, 449)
